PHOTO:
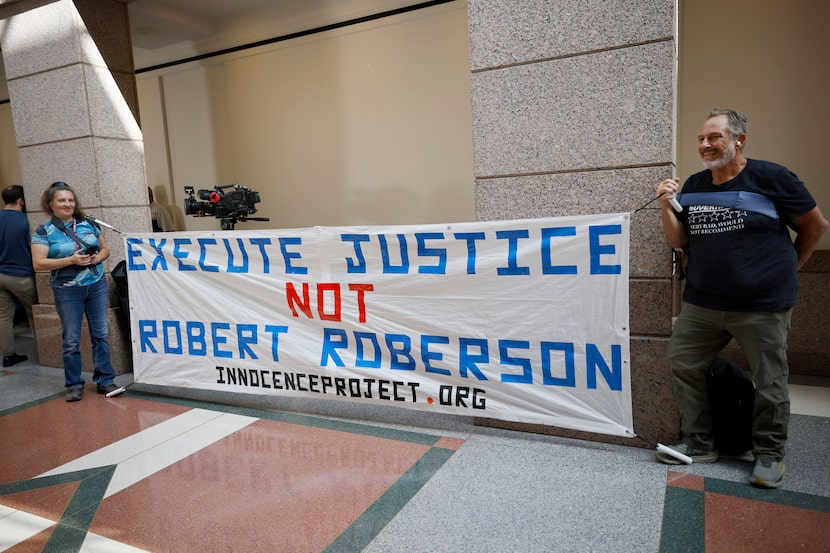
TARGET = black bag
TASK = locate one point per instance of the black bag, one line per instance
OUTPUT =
(119, 277)
(731, 396)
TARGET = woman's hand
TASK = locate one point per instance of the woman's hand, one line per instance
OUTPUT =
(85, 260)
(81, 259)
(42, 262)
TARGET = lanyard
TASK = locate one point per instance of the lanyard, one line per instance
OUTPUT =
(79, 244)
(75, 232)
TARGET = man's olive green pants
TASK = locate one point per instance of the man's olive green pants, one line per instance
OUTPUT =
(698, 337)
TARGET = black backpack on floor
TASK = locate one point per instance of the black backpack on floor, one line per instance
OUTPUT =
(119, 277)
(731, 396)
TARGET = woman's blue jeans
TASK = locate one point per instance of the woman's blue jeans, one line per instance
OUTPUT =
(72, 303)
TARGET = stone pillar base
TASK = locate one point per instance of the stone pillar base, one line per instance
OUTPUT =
(49, 341)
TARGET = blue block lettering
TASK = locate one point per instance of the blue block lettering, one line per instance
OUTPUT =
(567, 381)
(203, 243)
(181, 255)
(506, 359)
(613, 376)
(169, 346)
(146, 331)
(333, 339)
(159, 258)
(468, 361)
(548, 268)
(388, 268)
(132, 264)
(470, 238)
(512, 237)
(356, 264)
(196, 342)
(404, 351)
(428, 356)
(362, 360)
(219, 340)
(287, 256)
(439, 253)
(597, 249)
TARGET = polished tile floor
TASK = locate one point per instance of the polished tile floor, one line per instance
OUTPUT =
(181, 471)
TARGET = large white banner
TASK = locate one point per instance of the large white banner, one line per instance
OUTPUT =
(522, 320)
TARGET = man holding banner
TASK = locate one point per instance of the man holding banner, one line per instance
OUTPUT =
(741, 283)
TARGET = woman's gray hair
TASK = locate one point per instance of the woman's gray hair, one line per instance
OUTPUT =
(737, 120)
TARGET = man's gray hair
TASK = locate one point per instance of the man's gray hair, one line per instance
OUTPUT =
(737, 120)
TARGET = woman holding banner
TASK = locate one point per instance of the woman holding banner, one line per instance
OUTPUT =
(71, 248)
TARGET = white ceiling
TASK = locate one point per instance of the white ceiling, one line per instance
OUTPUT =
(169, 30)
(165, 31)
(160, 23)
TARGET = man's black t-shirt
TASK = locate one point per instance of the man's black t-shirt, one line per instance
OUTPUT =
(741, 255)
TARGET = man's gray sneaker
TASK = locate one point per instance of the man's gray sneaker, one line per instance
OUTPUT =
(768, 473)
(682, 447)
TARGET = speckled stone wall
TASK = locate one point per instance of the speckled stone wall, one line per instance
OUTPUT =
(75, 120)
(573, 113)
(808, 347)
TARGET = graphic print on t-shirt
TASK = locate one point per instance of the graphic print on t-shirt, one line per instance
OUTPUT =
(713, 219)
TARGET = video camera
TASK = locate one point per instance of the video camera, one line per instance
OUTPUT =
(235, 205)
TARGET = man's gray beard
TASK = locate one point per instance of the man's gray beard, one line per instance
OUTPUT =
(722, 161)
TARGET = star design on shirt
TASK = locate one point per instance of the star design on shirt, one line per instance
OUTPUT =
(716, 215)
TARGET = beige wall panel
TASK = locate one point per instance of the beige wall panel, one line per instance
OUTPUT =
(9, 159)
(370, 125)
(198, 135)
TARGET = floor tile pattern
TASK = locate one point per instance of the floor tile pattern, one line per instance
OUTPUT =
(167, 475)
(712, 515)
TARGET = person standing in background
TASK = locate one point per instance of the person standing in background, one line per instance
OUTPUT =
(162, 222)
(17, 276)
(72, 249)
